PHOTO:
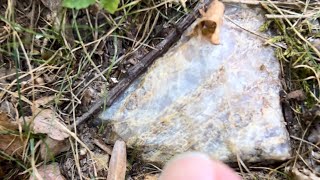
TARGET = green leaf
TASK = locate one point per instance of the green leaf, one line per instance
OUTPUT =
(110, 5)
(77, 4)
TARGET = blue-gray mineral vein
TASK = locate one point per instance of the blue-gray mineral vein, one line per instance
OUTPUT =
(219, 99)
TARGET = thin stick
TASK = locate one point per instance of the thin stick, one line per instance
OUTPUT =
(254, 2)
(295, 30)
(102, 146)
(287, 16)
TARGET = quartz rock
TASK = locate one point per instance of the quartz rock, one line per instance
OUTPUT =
(222, 100)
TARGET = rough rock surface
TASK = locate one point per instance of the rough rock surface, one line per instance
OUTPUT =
(219, 99)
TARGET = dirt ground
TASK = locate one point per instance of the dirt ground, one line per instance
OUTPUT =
(63, 61)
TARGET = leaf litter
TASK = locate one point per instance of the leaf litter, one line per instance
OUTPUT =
(75, 58)
(209, 24)
(50, 148)
(49, 172)
(10, 144)
(47, 122)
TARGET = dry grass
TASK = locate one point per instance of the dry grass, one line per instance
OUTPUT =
(67, 59)
(77, 56)
(295, 27)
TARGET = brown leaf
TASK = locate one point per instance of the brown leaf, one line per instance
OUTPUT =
(49, 172)
(118, 162)
(209, 25)
(51, 147)
(6, 124)
(47, 122)
(12, 144)
(297, 94)
(87, 97)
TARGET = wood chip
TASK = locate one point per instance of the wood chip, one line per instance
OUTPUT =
(118, 162)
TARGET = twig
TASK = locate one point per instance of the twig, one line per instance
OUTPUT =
(278, 16)
(255, 33)
(254, 2)
(145, 62)
(102, 146)
(296, 31)
(242, 2)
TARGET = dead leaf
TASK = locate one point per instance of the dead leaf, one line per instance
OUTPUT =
(118, 161)
(297, 95)
(87, 97)
(10, 144)
(47, 122)
(6, 124)
(49, 172)
(8, 108)
(303, 174)
(102, 161)
(43, 101)
(209, 24)
(51, 147)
